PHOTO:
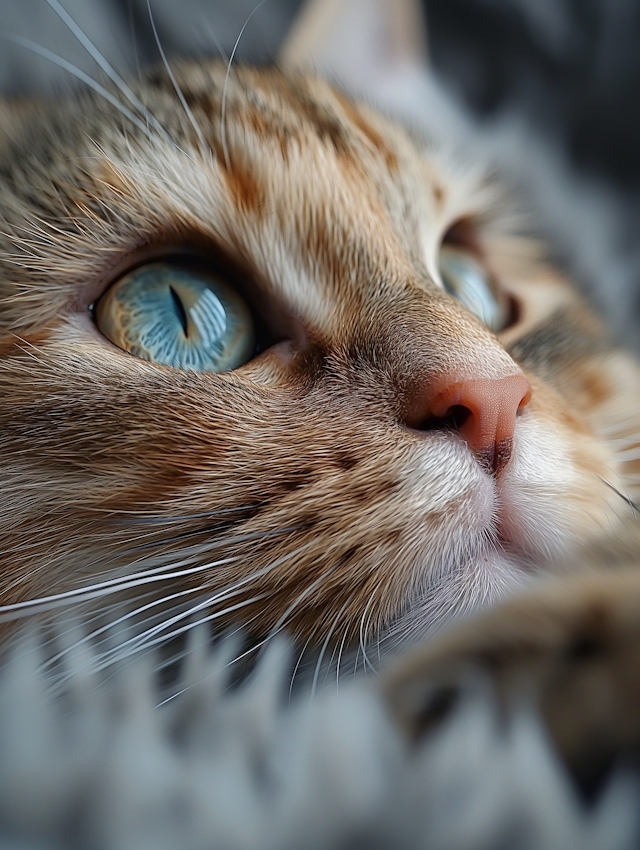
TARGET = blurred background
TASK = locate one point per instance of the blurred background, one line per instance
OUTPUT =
(559, 78)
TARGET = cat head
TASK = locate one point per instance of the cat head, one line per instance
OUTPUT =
(267, 350)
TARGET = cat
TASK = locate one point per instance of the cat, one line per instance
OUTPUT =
(372, 404)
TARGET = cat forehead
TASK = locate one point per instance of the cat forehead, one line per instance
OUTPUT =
(280, 169)
(248, 118)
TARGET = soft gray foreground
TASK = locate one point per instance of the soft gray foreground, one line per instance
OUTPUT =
(96, 763)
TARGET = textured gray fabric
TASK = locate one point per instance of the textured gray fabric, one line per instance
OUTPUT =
(100, 766)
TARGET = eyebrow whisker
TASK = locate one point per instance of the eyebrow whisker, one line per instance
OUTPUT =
(80, 75)
(109, 70)
(223, 108)
(177, 88)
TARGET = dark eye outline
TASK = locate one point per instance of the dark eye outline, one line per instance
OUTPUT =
(196, 260)
(463, 235)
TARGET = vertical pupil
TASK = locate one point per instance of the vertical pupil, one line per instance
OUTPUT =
(182, 316)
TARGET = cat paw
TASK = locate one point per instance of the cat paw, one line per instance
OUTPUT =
(571, 650)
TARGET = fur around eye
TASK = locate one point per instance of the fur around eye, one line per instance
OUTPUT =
(465, 278)
(177, 316)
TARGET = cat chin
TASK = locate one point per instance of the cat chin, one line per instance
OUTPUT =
(483, 580)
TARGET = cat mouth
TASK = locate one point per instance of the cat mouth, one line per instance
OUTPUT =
(508, 535)
(513, 514)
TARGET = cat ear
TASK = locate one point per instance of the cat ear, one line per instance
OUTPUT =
(359, 43)
(376, 49)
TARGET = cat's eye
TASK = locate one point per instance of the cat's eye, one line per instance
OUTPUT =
(464, 277)
(179, 316)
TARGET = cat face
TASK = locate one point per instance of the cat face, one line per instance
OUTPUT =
(383, 461)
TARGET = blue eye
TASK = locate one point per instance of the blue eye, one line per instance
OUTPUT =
(465, 278)
(178, 316)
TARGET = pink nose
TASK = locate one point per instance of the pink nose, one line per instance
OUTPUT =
(483, 410)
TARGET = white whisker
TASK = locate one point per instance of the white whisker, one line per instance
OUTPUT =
(277, 628)
(80, 75)
(129, 615)
(101, 589)
(177, 88)
(188, 655)
(162, 638)
(131, 580)
(109, 70)
(223, 108)
(342, 643)
(108, 658)
(297, 665)
(326, 644)
(365, 657)
(355, 666)
(223, 595)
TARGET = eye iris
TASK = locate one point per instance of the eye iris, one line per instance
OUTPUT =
(179, 317)
(465, 279)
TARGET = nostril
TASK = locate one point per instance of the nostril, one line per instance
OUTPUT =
(453, 420)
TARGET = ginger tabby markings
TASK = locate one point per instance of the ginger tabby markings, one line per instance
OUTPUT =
(381, 460)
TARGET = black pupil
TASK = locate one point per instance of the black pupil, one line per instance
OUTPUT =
(182, 316)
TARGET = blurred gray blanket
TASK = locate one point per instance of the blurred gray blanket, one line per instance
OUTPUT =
(89, 760)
